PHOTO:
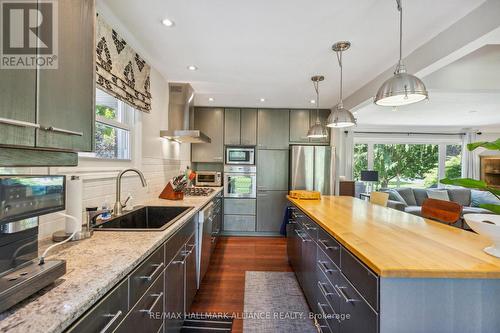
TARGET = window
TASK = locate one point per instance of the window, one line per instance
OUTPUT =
(114, 120)
(402, 162)
(360, 159)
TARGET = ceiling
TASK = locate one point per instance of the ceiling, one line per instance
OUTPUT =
(247, 50)
(465, 93)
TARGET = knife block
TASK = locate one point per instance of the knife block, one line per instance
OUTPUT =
(168, 193)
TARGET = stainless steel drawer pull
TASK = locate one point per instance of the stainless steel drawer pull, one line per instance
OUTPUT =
(292, 222)
(19, 123)
(327, 247)
(322, 265)
(114, 317)
(62, 130)
(188, 252)
(322, 289)
(323, 314)
(296, 216)
(150, 277)
(308, 226)
(150, 310)
(302, 237)
(344, 296)
(180, 262)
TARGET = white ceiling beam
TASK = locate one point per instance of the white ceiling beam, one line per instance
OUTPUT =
(466, 35)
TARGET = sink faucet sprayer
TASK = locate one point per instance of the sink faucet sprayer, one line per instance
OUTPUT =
(118, 204)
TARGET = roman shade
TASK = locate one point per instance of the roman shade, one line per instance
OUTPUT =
(120, 71)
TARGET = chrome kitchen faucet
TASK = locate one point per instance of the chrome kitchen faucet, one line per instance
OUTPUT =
(118, 204)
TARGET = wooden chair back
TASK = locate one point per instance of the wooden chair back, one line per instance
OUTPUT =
(379, 198)
(441, 210)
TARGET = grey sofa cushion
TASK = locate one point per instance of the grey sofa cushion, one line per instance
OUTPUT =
(482, 197)
(395, 196)
(420, 195)
(415, 210)
(408, 196)
(475, 210)
(461, 196)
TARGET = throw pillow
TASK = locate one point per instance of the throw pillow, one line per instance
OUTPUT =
(394, 195)
(483, 197)
(438, 194)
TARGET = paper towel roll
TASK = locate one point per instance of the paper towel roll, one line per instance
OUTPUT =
(74, 203)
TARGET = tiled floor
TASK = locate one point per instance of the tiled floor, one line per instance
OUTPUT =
(223, 289)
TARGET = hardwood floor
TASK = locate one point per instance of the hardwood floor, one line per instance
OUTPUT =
(223, 287)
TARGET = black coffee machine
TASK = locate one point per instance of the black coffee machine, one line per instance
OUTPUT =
(22, 200)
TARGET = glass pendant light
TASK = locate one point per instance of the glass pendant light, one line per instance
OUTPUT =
(340, 116)
(317, 130)
(402, 88)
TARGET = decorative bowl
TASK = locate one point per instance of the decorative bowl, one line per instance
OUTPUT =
(487, 225)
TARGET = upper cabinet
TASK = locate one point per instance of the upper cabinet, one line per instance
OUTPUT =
(240, 127)
(53, 109)
(301, 121)
(211, 122)
(273, 129)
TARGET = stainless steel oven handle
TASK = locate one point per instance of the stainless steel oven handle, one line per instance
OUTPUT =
(150, 277)
(114, 317)
(150, 310)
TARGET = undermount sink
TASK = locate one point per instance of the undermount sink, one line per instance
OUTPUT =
(146, 218)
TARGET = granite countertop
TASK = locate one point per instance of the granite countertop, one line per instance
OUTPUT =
(93, 267)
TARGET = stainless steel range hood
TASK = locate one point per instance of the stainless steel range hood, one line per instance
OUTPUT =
(181, 115)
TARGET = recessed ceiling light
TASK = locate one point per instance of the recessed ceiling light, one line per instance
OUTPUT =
(210, 99)
(312, 101)
(262, 99)
(167, 22)
(192, 67)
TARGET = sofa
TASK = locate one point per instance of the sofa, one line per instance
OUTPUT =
(410, 200)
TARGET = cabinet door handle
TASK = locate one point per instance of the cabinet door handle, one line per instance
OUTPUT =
(324, 242)
(150, 277)
(344, 296)
(302, 237)
(61, 130)
(19, 123)
(150, 310)
(180, 262)
(114, 317)
(324, 268)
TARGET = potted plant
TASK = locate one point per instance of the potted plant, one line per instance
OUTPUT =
(478, 184)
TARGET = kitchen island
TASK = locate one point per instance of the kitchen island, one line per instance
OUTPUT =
(96, 267)
(391, 271)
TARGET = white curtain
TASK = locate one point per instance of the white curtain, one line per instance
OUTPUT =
(470, 159)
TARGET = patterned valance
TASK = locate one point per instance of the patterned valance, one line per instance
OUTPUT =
(121, 72)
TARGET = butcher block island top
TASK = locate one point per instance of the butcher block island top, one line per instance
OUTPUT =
(397, 244)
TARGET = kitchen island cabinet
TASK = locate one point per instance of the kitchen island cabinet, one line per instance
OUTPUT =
(381, 270)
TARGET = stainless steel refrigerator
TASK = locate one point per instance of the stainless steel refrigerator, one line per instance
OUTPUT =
(312, 168)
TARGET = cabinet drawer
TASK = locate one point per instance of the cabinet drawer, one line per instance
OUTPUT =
(107, 314)
(142, 278)
(176, 241)
(329, 245)
(327, 313)
(326, 266)
(362, 278)
(239, 206)
(308, 225)
(362, 318)
(239, 222)
(146, 315)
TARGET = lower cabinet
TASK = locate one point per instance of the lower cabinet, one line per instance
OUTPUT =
(270, 206)
(155, 296)
(341, 291)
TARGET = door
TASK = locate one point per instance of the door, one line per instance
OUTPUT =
(232, 126)
(17, 104)
(66, 96)
(302, 168)
(191, 278)
(248, 129)
(272, 129)
(211, 122)
(324, 167)
(270, 210)
(272, 170)
(299, 126)
(323, 117)
(174, 290)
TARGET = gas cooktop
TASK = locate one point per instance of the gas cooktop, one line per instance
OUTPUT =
(198, 191)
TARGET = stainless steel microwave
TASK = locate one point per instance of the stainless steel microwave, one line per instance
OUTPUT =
(240, 155)
(208, 178)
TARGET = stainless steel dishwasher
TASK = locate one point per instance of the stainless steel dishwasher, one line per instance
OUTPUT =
(205, 225)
